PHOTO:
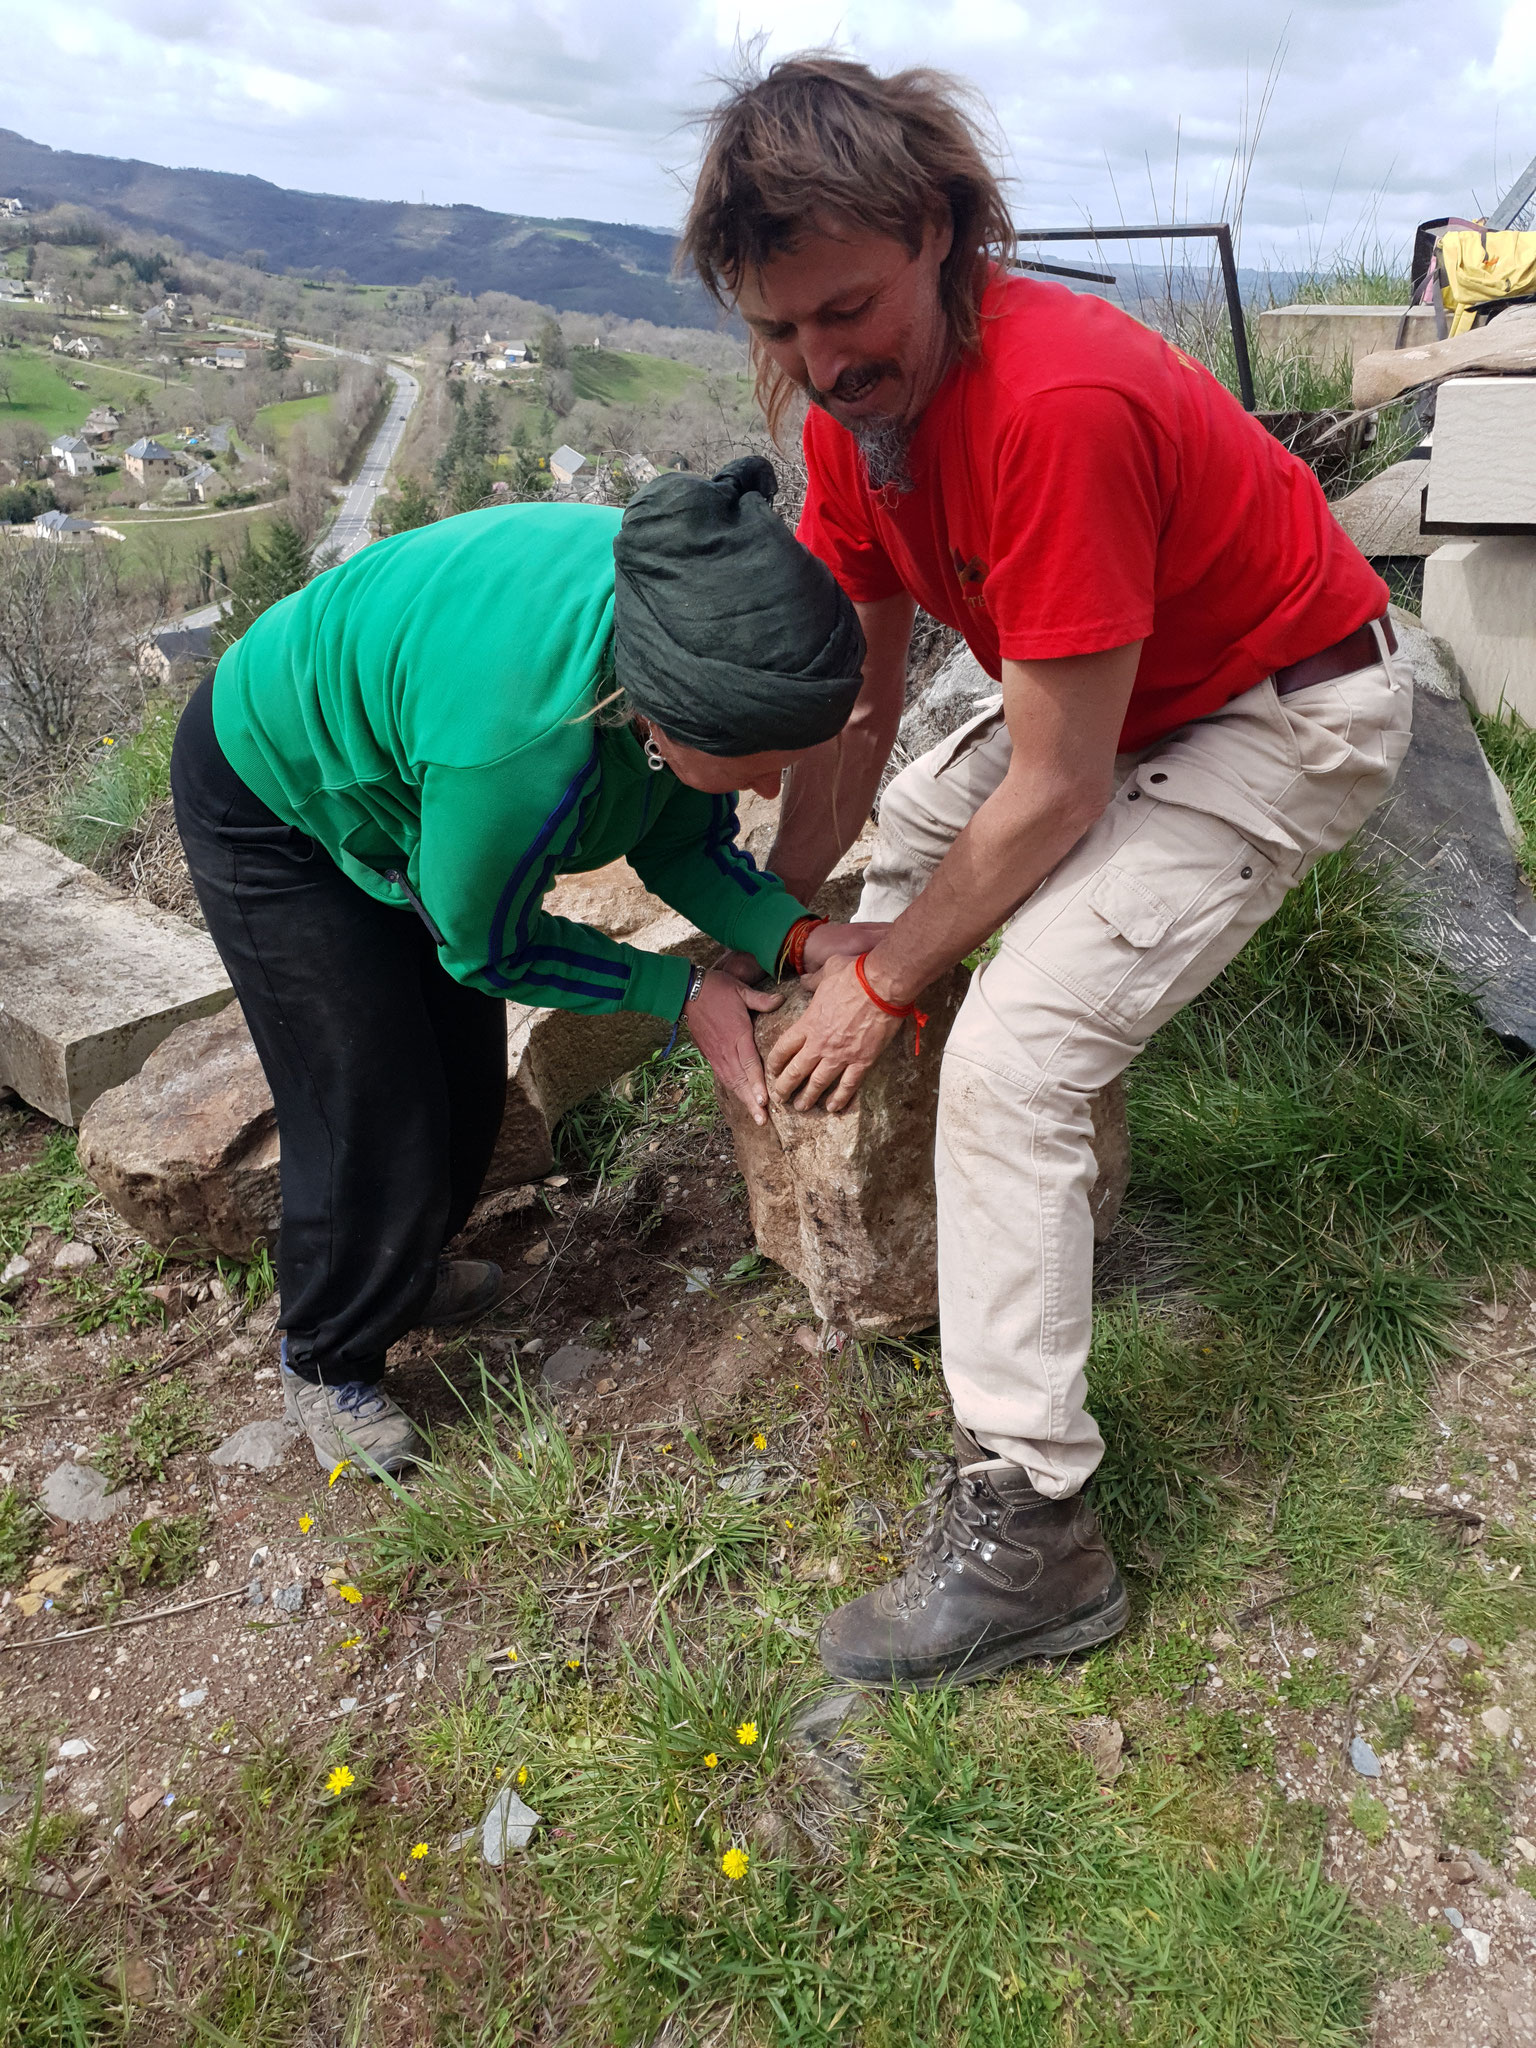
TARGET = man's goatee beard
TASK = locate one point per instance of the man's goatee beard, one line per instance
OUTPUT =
(883, 443)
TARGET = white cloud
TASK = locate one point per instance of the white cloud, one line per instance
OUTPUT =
(1385, 111)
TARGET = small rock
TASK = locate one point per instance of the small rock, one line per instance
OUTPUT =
(78, 1493)
(461, 1840)
(508, 1824)
(572, 1362)
(75, 1747)
(536, 1254)
(260, 1445)
(188, 1700)
(1459, 1870)
(803, 1335)
(433, 1623)
(556, 1180)
(16, 1268)
(1364, 1758)
(349, 1704)
(1498, 1721)
(1450, 1913)
(71, 1258)
(698, 1278)
(606, 1386)
(1220, 1640)
(254, 1594)
(746, 1482)
(288, 1599)
(1479, 1944)
(1526, 1847)
(1102, 1741)
(144, 1804)
(1457, 1646)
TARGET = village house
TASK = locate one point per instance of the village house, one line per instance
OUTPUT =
(63, 529)
(75, 345)
(148, 463)
(12, 206)
(12, 288)
(564, 464)
(73, 455)
(227, 357)
(101, 423)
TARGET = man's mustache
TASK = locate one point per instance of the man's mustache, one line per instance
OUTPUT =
(855, 383)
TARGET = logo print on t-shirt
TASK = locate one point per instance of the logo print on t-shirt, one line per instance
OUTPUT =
(972, 575)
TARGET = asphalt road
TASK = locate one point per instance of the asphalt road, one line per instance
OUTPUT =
(351, 529)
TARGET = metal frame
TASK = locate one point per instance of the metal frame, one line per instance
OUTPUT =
(1216, 231)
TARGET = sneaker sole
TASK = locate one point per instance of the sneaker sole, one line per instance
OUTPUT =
(393, 1465)
(1084, 1630)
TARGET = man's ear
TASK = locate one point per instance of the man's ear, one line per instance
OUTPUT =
(939, 235)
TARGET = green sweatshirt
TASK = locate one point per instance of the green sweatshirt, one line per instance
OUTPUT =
(423, 712)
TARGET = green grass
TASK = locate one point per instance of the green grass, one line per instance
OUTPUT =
(615, 378)
(274, 425)
(126, 776)
(44, 1195)
(53, 1988)
(21, 1532)
(1510, 745)
(1338, 1145)
(42, 393)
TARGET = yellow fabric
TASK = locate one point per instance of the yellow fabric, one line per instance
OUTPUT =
(1482, 267)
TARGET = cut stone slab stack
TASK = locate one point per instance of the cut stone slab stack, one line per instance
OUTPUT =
(1480, 588)
(1330, 335)
(91, 980)
(846, 1203)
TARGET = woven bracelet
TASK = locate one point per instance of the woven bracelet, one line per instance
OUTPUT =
(919, 1017)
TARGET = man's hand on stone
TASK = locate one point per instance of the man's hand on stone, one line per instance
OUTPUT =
(835, 1043)
(719, 1019)
(834, 941)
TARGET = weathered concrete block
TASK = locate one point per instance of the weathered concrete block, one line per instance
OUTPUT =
(1382, 516)
(846, 1203)
(1482, 477)
(1329, 335)
(91, 981)
(1480, 596)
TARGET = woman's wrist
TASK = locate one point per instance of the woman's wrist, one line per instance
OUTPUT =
(695, 984)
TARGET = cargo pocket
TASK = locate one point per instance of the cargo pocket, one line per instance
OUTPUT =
(964, 738)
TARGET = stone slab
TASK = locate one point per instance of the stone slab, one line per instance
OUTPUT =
(91, 981)
(1443, 832)
(1480, 596)
(78, 1493)
(1506, 346)
(261, 1445)
(1483, 474)
(1329, 335)
(1382, 516)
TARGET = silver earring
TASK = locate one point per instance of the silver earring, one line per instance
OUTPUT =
(653, 759)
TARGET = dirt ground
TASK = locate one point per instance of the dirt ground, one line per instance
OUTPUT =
(131, 1701)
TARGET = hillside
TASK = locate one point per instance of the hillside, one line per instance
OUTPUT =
(576, 266)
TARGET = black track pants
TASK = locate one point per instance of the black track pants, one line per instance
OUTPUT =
(388, 1075)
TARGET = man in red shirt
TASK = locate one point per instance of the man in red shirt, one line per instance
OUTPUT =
(1197, 701)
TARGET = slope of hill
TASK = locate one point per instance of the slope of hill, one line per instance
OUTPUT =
(576, 266)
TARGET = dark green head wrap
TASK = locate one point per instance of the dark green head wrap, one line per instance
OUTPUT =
(726, 631)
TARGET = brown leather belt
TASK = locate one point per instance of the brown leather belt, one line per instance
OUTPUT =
(1356, 650)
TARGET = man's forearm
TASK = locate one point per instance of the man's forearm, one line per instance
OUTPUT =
(1005, 852)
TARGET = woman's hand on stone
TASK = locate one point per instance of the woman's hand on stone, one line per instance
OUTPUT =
(719, 1020)
(832, 941)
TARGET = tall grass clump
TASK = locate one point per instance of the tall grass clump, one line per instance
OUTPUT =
(1510, 745)
(1339, 1145)
(125, 776)
(53, 1989)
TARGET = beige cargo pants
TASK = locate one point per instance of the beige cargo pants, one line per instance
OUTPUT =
(1205, 834)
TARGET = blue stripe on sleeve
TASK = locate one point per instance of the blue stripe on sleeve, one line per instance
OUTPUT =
(733, 861)
(530, 877)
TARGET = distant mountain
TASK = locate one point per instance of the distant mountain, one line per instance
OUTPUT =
(576, 266)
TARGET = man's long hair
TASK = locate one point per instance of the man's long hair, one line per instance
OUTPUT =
(818, 143)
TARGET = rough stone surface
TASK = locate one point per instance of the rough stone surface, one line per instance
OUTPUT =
(261, 1445)
(1507, 346)
(92, 980)
(1480, 597)
(1483, 473)
(78, 1493)
(846, 1203)
(572, 1363)
(508, 1824)
(186, 1151)
(960, 691)
(73, 1258)
(1382, 516)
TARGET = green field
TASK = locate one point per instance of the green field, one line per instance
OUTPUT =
(615, 378)
(37, 389)
(275, 423)
(169, 548)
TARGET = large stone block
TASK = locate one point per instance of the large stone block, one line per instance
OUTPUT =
(91, 981)
(1480, 597)
(1330, 335)
(846, 1203)
(1482, 478)
(1382, 516)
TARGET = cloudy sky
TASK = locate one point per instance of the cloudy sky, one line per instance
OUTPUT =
(1380, 113)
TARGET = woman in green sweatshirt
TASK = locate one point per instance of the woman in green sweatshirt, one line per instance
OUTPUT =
(378, 787)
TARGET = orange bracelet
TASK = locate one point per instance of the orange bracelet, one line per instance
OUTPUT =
(919, 1017)
(792, 952)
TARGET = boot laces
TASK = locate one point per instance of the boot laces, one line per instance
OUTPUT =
(955, 1522)
(358, 1397)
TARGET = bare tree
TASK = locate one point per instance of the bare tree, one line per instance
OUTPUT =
(68, 635)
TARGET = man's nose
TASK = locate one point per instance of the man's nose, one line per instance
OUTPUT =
(825, 357)
(768, 785)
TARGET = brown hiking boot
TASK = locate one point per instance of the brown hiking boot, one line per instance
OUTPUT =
(465, 1288)
(1001, 1574)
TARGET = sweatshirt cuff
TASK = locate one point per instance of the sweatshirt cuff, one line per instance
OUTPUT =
(762, 927)
(657, 984)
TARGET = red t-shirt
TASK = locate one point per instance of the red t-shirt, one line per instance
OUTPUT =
(1083, 484)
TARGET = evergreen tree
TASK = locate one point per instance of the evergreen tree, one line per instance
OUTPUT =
(279, 355)
(411, 506)
(472, 482)
(551, 345)
(264, 574)
(483, 426)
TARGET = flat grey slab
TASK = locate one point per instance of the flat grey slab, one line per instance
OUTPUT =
(78, 1493)
(90, 980)
(1442, 831)
(1382, 516)
(1484, 467)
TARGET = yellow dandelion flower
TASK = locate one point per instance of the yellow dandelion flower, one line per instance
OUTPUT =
(418, 1850)
(349, 1642)
(759, 1442)
(710, 1761)
(337, 1470)
(339, 1780)
(746, 1734)
(573, 1663)
(666, 1450)
(351, 1595)
(306, 1523)
(400, 1876)
(522, 1774)
(734, 1863)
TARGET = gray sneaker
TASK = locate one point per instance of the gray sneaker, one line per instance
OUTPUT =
(357, 1422)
